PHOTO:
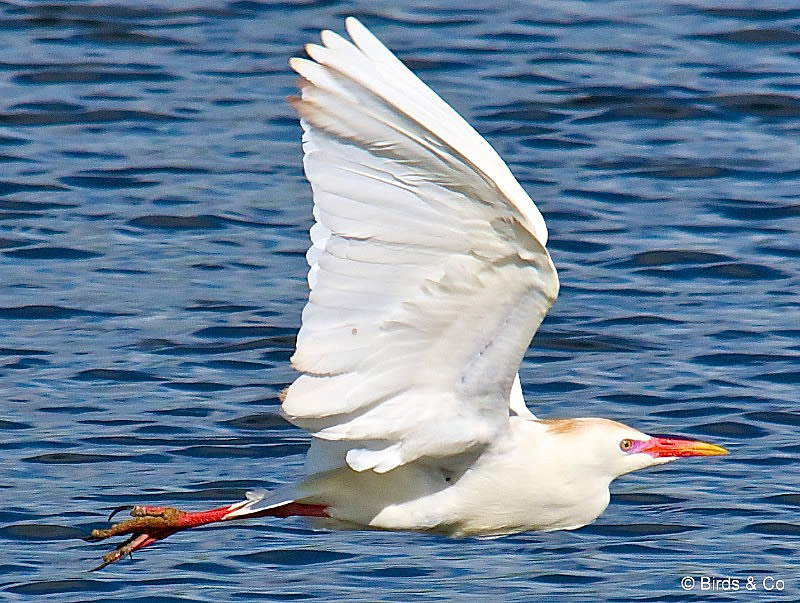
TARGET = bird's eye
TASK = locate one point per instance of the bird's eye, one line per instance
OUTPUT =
(626, 445)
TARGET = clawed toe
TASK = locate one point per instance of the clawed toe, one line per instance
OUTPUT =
(148, 525)
(119, 509)
(144, 520)
(134, 543)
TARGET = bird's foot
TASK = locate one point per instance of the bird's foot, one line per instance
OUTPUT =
(149, 525)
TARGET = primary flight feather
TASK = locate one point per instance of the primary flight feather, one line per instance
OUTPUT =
(428, 276)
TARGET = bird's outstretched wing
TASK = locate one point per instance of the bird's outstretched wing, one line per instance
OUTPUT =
(428, 270)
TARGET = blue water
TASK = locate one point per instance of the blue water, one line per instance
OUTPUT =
(153, 221)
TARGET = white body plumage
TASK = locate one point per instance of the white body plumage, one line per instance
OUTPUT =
(429, 277)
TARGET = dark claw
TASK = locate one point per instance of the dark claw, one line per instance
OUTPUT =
(118, 509)
(101, 566)
(105, 563)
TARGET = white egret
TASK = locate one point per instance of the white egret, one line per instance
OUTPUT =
(428, 277)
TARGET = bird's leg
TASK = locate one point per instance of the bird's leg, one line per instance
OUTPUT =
(151, 524)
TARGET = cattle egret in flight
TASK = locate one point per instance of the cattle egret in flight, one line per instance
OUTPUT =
(428, 277)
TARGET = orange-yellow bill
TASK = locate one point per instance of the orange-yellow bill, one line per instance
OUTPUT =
(677, 446)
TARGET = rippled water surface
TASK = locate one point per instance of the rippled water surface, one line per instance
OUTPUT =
(153, 222)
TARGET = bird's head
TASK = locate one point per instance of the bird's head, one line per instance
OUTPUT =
(612, 449)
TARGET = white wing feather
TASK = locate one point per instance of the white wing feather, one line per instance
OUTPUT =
(516, 401)
(428, 271)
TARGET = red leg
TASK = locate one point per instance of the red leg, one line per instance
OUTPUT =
(151, 524)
